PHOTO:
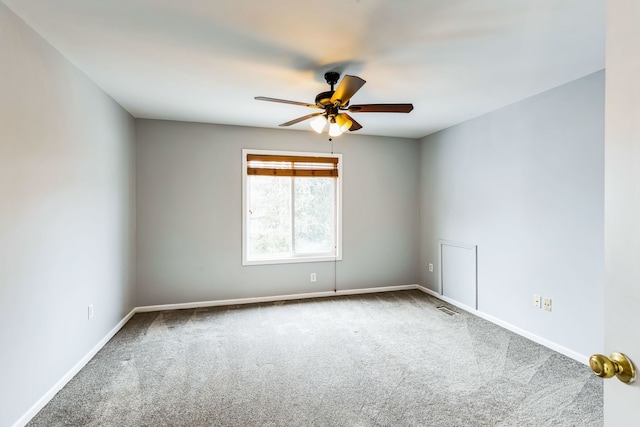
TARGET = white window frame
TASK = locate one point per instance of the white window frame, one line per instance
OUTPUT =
(293, 258)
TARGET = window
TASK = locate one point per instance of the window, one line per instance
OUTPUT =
(291, 207)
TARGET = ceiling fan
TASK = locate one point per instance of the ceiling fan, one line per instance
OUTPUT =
(334, 103)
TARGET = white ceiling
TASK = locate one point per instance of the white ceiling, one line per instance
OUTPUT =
(205, 60)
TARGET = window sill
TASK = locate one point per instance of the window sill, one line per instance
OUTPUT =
(292, 260)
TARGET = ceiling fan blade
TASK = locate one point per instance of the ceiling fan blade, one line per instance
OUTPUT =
(346, 89)
(301, 119)
(381, 108)
(354, 125)
(284, 101)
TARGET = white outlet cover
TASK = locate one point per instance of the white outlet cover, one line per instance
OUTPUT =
(537, 301)
(547, 304)
(431, 267)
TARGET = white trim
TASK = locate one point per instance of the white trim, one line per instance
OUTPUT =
(535, 338)
(337, 256)
(294, 260)
(255, 300)
(375, 290)
(42, 402)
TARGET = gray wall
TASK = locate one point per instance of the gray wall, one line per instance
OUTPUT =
(65, 216)
(526, 184)
(189, 213)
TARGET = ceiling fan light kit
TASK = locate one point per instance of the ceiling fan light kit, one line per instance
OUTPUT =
(334, 129)
(319, 123)
(343, 123)
(335, 103)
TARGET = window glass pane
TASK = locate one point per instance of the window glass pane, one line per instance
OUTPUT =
(269, 216)
(314, 215)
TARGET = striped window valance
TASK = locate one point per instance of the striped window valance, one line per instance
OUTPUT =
(301, 166)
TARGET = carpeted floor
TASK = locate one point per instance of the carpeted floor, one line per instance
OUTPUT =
(388, 359)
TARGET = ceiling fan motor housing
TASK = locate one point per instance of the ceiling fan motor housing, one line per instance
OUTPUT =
(323, 99)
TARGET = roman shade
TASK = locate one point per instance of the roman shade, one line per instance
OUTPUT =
(299, 166)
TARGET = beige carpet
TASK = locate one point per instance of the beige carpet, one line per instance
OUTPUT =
(388, 359)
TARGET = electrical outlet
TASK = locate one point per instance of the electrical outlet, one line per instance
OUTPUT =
(547, 304)
(430, 267)
(537, 301)
(313, 277)
(90, 311)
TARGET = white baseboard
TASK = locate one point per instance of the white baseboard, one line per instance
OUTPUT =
(255, 300)
(535, 338)
(375, 290)
(42, 402)
(22, 421)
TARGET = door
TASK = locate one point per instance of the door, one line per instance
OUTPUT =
(622, 205)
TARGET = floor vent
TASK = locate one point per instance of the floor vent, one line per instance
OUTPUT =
(447, 310)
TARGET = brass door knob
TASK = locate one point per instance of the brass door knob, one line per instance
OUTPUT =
(617, 364)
